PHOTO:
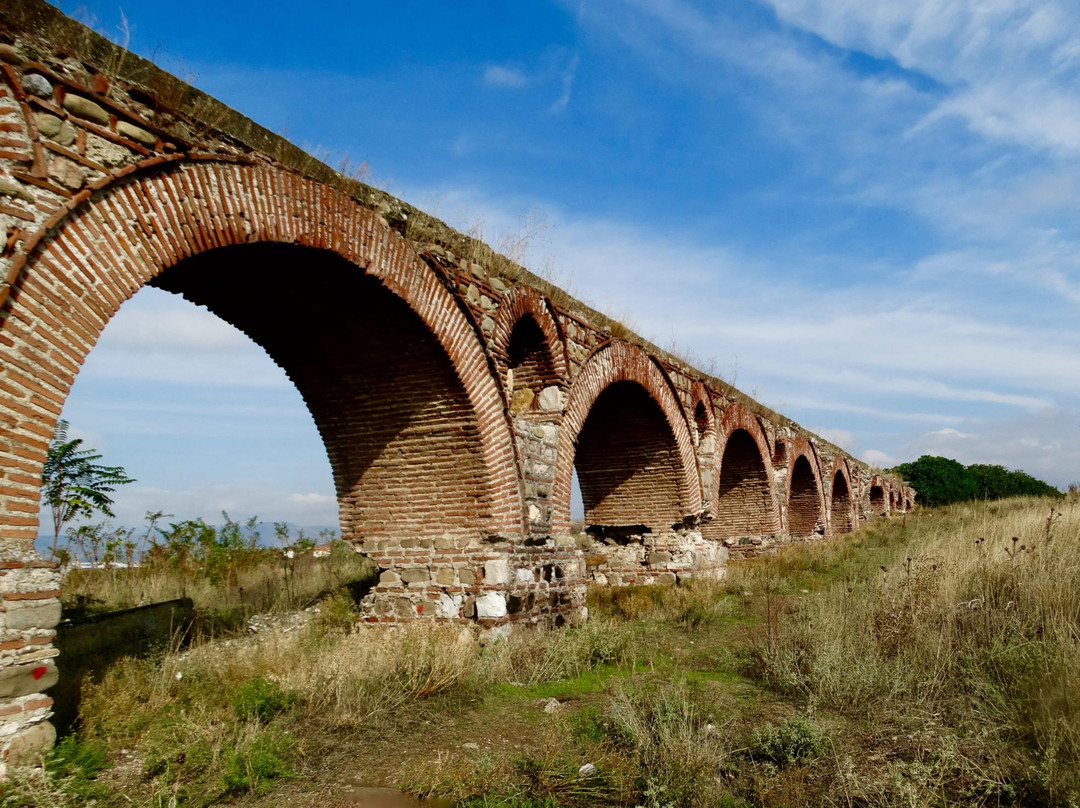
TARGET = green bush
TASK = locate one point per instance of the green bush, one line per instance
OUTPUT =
(796, 740)
(254, 766)
(337, 613)
(260, 699)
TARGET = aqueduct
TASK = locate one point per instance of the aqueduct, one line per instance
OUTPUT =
(455, 392)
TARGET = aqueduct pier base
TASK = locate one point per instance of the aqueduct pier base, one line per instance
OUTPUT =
(455, 392)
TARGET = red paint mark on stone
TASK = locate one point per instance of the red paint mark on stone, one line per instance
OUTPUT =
(37, 673)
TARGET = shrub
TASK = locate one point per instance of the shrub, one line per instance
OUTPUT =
(796, 740)
(254, 765)
(260, 699)
(337, 613)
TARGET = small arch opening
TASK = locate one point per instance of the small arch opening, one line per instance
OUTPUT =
(701, 419)
(529, 364)
(842, 521)
(877, 500)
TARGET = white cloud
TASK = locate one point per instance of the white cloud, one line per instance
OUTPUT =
(875, 457)
(1012, 78)
(844, 438)
(1042, 444)
(949, 432)
(504, 77)
(160, 337)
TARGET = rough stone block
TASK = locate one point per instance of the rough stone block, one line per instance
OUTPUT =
(416, 575)
(389, 578)
(551, 399)
(37, 84)
(493, 604)
(27, 614)
(22, 680)
(27, 746)
(497, 571)
(139, 135)
(85, 108)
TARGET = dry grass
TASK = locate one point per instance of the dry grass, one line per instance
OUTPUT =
(962, 633)
(930, 660)
(268, 582)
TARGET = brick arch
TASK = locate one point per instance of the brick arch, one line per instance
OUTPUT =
(703, 416)
(805, 495)
(111, 240)
(619, 363)
(842, 518)
(881, 496)
(525, 301)
(744, 502)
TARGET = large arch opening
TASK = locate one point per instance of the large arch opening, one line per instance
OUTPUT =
(877, 500)
(397, 424)
(842, 520)
(628, 463)
(744, 504)
(804, 501)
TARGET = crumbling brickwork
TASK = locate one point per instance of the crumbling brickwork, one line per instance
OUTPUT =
(454, 391)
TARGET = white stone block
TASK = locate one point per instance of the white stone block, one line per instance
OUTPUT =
(497, 571)
(551, 399)
(493, 604)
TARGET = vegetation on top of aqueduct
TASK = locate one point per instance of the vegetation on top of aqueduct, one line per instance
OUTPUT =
(928, 660)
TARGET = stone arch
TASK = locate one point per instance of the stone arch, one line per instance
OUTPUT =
(745, 502)
(842, 517)
(652, 479)
(528, 345)
(805, 498)
(149, 225)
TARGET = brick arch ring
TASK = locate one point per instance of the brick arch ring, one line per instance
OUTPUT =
(613, 362)
(840, 466)
(106, 244)
(802, 447)
(521, 302)
(699, 394)
(738, 416)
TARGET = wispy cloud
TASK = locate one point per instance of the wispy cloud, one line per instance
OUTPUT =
(569, 73)
(504, 76)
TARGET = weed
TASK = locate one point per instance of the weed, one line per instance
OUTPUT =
(257, 763)
(260, 699)
(796, 740)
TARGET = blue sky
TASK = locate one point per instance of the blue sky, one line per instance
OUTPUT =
(863, 214)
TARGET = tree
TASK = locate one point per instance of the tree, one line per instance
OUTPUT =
(939, 480)
(74, 484)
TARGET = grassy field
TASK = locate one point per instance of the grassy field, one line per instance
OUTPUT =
(930, 660)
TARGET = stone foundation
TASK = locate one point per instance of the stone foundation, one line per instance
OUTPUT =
(651, 558)
(491, 581)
